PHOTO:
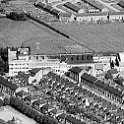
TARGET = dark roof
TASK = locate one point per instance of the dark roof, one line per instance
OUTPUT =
(48, 8)
(94, 4)
(41, 5)
(121, 3)
(34, 71)
(89, 78)
(7, 83)
(66, 15)
(71, 6)
(75, 70)
(108, 88)
(101, 84)
(55, 12)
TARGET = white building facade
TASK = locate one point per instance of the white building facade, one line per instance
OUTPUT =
(21, 60)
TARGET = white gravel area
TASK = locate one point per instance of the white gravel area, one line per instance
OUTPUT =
(8, 113)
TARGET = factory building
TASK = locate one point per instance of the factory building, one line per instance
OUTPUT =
(22, 60)
(73, 7)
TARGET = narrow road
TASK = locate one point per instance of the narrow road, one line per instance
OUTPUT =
(108, 5)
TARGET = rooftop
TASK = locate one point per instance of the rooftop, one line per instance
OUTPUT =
(75, 70)
(9, 84)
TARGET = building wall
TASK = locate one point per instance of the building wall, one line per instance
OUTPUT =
(27, 62)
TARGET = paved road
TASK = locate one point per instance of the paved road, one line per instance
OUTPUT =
(108, 5)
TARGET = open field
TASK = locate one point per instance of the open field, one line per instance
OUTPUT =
(38, 37)
(100, 37)
(8, 113)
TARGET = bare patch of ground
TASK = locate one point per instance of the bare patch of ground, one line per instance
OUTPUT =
(8, 113)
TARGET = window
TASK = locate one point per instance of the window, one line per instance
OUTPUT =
(82, 57)
(89, 57)
(77, 57)
(72, 58)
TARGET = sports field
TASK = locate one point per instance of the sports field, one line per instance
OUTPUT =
(99, 37)
(37, 36)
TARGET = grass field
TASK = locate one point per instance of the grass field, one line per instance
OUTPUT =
(99, 37)
(38, 37)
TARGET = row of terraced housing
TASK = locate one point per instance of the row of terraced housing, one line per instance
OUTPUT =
(111, 91)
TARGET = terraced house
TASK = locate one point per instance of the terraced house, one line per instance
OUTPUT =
(8, 87)
(112, 92)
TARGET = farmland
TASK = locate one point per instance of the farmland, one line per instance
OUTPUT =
(99, 37)
(38, 37)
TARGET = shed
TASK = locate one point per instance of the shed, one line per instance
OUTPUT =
(73, 7)
(40, 5)
(55, 13)
(48, 8)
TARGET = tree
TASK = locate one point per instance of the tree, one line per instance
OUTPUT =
(37, 118)
(1, 102)
(116, 62)
(119, 80)
(12, 101)
(6, 101)
(112, 64)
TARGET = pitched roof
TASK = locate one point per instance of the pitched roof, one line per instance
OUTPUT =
(72, 6)
(41, 5)
(35, 70)
(55, 12)
(48, 7)
(7, 83)
(89, 78)
(75, 70)
(94, 4)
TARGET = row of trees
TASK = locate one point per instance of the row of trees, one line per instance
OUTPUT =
(30, 112)
(4, 102)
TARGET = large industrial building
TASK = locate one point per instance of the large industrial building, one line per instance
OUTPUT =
(21, 60)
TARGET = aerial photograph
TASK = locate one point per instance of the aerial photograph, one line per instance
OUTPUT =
(61, 61)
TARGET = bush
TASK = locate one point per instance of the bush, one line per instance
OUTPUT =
(1, 102)
(6, 101)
